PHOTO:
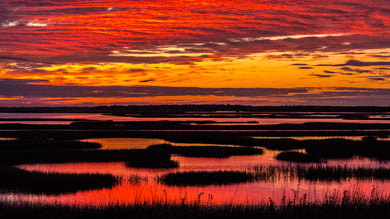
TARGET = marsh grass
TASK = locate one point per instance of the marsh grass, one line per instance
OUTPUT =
(343, 148)
(137, 180)
(160, 161)
(45, 143)
(297, 157)
(18, 180)
(320, 172)
(348, 205)
(205, 151)
(66, 156)
(333, 147)
(204, 178)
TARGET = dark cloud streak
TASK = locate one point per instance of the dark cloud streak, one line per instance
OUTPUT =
(31, 88)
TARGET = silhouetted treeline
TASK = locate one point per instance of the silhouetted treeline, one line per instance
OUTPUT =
(191, 108)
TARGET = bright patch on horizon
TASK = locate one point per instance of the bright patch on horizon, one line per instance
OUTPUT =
(159, 51)
(22, 23)
(248, 39)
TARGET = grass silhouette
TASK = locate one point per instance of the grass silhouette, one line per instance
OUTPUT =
(18, 180)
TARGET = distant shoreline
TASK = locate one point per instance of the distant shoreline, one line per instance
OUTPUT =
(192, 108)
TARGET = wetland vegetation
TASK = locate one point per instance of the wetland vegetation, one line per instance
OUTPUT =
(162, 161)
(321, 172)
(203, 178)
(205, 151)
(66, 156)
(17, 180)
(201, 157)
(297, 157)
(348, 206)
(39, 143)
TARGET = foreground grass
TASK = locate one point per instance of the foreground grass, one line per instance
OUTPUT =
(14, 179)
(376, 209)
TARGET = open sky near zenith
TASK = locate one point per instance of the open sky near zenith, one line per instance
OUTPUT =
(260, 52)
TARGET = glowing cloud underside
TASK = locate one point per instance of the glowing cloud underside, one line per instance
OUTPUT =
(242, 52)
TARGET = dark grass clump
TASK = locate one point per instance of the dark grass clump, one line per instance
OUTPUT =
(343, 148)
(280, 143)
(320, 172)
(339, 172)
(45, 143)
(155, 162)
(14, 179)
(297, 157)
(137, 180)
(205, 151)
(66, 156)
(204, 178)
(333, 147)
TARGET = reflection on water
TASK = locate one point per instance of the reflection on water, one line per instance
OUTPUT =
(379, 116)
(228, 121)
(7, 139)
(141, 185)
(274, 121)
(125, 143)
(36, 122)
(50, 118)
(139, 143)
(355, 138)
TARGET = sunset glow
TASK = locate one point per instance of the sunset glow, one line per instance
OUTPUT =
(89, 52)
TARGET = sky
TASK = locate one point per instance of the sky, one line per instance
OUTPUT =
(252, 52)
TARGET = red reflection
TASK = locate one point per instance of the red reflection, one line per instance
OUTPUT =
(140, 186)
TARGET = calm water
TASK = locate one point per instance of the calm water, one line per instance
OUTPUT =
(139, 143)
(241, 121)
(37, 122)
(125, 143)
(140, 185)
(354, 138)
(7, 139)
(66, 116)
